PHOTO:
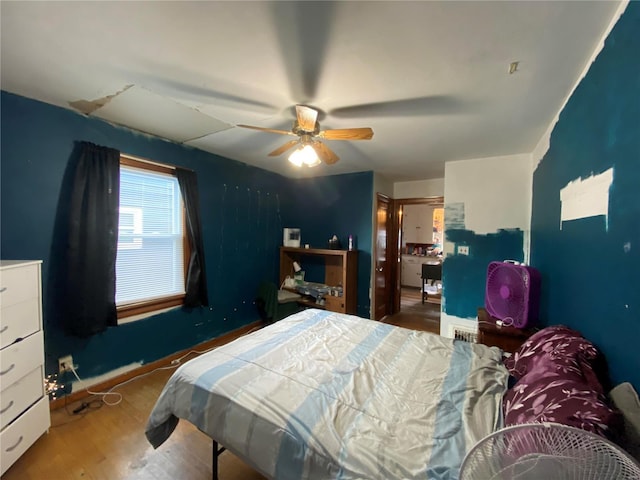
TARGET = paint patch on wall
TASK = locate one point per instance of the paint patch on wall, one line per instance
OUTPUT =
(587, 197)
(464, 276)
(454, 216)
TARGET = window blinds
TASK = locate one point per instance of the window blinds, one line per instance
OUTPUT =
(150, 256)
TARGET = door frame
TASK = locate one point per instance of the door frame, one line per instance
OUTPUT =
(394, 248)
(389, 271)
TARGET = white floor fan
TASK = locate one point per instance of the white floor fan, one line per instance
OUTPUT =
(547, 451)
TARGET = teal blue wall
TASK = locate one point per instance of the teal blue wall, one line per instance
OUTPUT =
(591, 271)
(464, 277)
(243, 212)
(338, 205)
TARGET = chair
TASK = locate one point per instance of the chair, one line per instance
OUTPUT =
(431, 272)
(272, 306)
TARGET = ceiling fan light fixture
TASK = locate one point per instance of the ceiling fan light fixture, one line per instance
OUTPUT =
(304, 155)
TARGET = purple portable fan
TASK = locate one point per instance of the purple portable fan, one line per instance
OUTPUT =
(513, 293)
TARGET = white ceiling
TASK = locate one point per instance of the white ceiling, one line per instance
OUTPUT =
(430, 78)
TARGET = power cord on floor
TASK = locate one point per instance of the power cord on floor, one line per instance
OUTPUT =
(175, 363)
(104, 395)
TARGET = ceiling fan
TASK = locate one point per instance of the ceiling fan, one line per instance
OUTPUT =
(310, 149)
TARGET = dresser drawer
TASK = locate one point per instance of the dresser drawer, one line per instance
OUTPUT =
(18, 396)
(19, 284)
(335, 304)
(19, 321)
(21, 434)
(20, 358)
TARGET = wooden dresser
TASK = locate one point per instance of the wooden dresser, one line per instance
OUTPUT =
(340, 269)
(508, 339)
(24, 405)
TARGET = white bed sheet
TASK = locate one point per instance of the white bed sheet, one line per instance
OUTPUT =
(326, 395)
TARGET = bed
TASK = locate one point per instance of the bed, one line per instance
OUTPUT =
(322, 395)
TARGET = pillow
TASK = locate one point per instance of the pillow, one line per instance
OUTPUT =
(566, 350)
(551, 394)
(625, 398)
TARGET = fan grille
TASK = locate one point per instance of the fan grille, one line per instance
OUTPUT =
(546, 451)
(509, 287)
(512, 293)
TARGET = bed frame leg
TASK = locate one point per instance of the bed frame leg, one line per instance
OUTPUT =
(214, 461)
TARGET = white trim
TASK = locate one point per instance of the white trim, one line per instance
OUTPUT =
(449, 323)
(144, 160)
(140, 316)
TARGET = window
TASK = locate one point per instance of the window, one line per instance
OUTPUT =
(438, 226)
(152, 245)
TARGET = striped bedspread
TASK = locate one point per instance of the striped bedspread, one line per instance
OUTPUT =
(321, 395)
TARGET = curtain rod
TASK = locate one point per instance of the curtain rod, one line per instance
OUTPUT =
(151, 162)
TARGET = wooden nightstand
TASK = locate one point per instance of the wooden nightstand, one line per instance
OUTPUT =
(508, 339)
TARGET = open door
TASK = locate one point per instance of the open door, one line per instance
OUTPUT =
(383, 267)
(400, 242)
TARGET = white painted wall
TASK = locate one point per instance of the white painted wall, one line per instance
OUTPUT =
(382, 184)
(419, 188)
(496, 193)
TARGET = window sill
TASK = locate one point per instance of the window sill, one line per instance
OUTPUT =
(137, 311)
(141, 316)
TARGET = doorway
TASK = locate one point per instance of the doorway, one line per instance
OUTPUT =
(383, 267)
(419, 231)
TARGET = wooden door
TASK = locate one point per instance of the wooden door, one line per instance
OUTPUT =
(383, 288)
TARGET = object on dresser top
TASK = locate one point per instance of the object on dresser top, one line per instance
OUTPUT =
(312, 289)
(334, 243)
(274, 304)
(286, 296)
(493, 334)
(291, 237)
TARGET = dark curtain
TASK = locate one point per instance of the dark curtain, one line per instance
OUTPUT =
(89, 290)
(196, 283)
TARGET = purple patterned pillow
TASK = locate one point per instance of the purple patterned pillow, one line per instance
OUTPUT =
(567, 350)
(549, 393)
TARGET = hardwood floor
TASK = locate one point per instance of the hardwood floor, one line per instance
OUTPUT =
(108, 443)
(414, 314)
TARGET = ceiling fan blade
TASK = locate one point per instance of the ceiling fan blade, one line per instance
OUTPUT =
(270, 130)
(415, 107)
(325, 153)
(284, 148)
(347, 134)
(307, 117)
(304, 31)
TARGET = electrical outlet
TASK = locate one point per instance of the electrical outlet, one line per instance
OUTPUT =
(463, 250)
(65, 363)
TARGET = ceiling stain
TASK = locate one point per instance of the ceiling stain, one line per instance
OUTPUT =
(87, 107)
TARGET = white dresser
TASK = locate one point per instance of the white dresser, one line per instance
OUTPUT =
(24, 405)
